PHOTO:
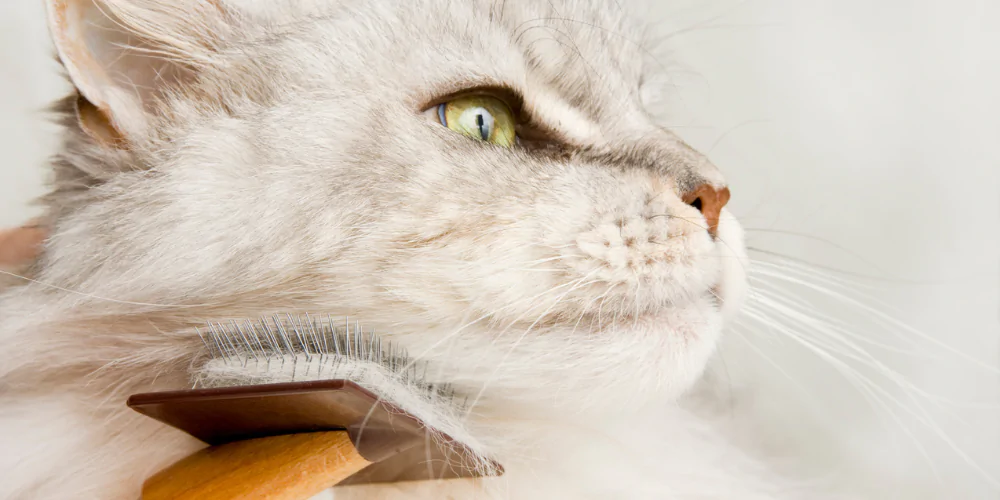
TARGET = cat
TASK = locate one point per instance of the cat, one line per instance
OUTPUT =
(482, 179)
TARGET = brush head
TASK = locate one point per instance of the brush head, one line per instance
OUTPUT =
(286, 375)
(302, 348)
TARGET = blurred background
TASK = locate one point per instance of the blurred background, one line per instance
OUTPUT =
(860, 140)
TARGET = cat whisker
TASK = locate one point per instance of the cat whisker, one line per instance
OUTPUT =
(832, 341)
(576, 284)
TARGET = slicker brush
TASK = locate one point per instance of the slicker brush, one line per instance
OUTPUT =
(290, 406)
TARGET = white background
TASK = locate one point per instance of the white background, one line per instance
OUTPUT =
(857, 134)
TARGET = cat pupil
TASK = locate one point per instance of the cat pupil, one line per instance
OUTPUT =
(483, 130)
(473, 121)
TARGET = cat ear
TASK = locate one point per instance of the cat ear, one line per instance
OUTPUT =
(122, 55)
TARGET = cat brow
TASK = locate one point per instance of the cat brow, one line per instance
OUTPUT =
(554, 113)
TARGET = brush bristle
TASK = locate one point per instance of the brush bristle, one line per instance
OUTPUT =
(299, 348)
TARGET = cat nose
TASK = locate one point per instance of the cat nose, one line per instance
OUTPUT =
(709, 201)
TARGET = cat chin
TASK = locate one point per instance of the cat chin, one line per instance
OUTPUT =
(619, 369)
(662, 355)
(626, 364)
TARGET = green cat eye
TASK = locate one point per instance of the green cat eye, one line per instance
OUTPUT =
(481, 117)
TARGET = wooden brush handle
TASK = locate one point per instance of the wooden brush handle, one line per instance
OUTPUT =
(291, 467)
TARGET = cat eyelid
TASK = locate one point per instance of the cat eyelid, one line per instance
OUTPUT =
(509, 96)
(529, 132)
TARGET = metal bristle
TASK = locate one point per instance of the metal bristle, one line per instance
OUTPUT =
(305, 341)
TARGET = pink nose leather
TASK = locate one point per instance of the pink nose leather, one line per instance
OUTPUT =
(709, 201)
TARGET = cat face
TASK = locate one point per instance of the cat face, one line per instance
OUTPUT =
(481, 179)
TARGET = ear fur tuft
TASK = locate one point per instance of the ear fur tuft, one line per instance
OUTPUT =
(122, 55)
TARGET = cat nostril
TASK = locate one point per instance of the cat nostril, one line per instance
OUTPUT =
(709, 201)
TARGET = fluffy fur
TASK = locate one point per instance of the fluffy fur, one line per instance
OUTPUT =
(274, 158)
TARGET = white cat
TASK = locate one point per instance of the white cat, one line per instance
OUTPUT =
(482, 179)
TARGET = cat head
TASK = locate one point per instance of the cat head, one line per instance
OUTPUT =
(482, 179)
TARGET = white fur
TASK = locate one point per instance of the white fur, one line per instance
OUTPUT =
(570, 296)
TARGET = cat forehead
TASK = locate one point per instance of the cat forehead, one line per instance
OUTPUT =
(577, 39)
(576, 63)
